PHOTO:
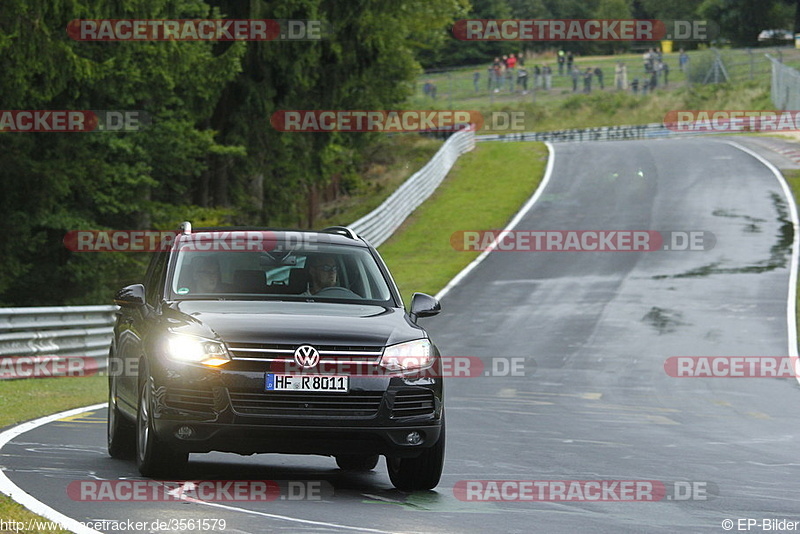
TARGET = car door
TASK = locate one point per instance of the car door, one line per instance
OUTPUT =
(132, 327)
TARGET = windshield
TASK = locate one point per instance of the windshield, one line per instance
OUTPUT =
(329, 272)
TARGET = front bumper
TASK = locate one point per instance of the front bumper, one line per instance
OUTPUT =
(202, 410)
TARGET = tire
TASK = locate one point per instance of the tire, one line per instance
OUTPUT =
(120, 433)
(420, 473)
(153, 457)
(357, 462)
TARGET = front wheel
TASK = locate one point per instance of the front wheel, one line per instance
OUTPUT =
(420, 473)
(121, 434)
(153, 458)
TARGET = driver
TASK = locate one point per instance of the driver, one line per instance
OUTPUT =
(322, 272)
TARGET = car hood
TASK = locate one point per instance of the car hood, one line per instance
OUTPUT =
(294, 322)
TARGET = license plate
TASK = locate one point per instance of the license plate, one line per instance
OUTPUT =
(324, 383)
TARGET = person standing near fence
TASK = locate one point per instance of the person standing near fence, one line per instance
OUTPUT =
(599, 73)
(522, 79)
(683, 60)
(576, 74)
(665, 70)
(537, 76)
(490, 76)
(476, 78)
(562, 60)
(547, 72)
(500, 74)
(587, 80)
(621, 76)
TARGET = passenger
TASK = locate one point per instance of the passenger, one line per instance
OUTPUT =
(206, 276)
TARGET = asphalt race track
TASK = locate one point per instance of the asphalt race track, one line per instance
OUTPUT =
(594, 402)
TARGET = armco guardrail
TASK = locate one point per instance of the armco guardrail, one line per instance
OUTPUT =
(379, 224)
(54, 341)
(69, 341)
(601, 133)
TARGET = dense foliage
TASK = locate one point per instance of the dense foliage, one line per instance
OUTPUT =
(210, 154)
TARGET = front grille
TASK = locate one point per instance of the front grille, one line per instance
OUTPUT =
(283, 352)
(413, 402)
(195, 400)
(261, 356)
(364, 404)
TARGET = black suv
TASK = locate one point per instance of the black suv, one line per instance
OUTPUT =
(256, 341)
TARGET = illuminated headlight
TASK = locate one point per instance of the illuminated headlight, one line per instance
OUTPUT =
(194, 349)
(410, 356)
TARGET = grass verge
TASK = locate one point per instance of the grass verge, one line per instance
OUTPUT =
(478, 194)
(26, 399)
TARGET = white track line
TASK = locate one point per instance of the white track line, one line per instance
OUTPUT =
(517, 218)
(286, 518)
(15, 492)
(791, 321)
(28, 501)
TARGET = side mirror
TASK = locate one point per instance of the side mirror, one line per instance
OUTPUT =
(424, 305)
(130, 296)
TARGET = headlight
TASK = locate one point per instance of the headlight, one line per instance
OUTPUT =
(195, 349)
(417, 354)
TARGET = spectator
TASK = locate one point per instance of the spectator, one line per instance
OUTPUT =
(512, 62)
(683, 59)
(562, 59)
(522, 79)
(547, 72)
(653, 80)
(648, 60)
(570, 60)
(521, 58)
(510, 79)
(587, 80)
(476, 78)
(621, 76)
(576, 74)
(599, 73)
(490, 76)
(499, 75)
(537, 73)
(665, 70)
(635, 86)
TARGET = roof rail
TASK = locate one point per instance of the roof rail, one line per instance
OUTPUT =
(186, 228)
(341, 230)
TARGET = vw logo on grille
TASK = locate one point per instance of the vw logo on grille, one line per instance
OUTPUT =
(306, 356)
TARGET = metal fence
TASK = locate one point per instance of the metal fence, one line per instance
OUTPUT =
(54, 341)
(785, 91)
(378, 225)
